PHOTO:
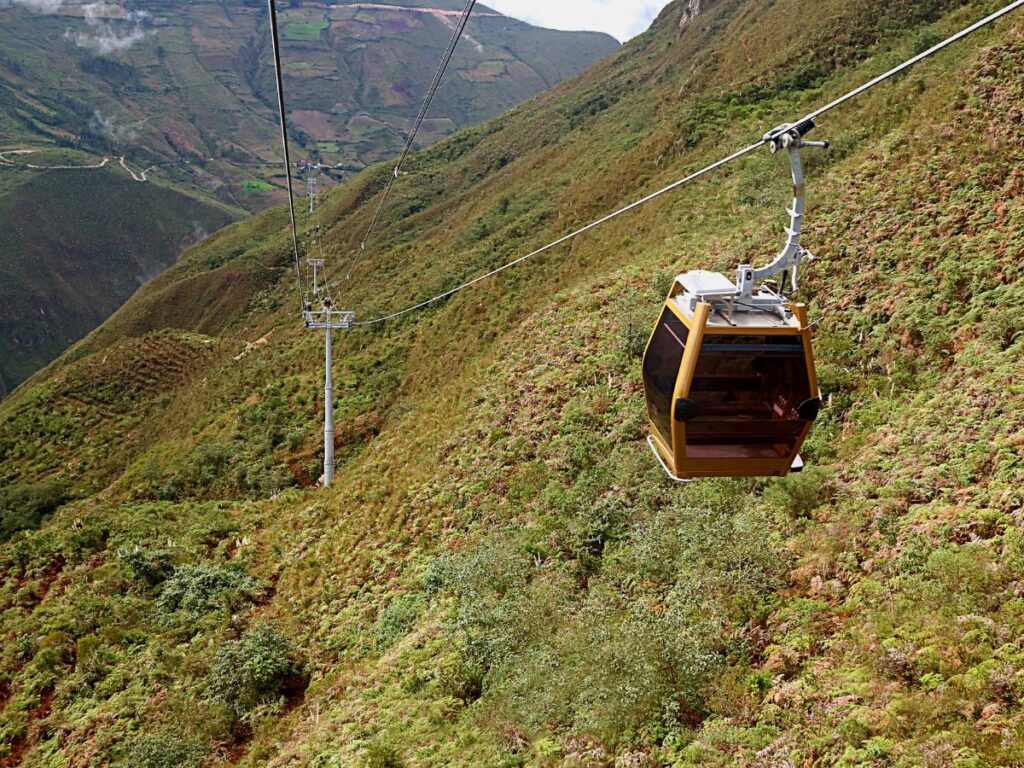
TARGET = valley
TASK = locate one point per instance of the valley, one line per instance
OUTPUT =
(182, 96)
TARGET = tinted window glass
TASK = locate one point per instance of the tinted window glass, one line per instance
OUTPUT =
(749, 389)
(661, 369)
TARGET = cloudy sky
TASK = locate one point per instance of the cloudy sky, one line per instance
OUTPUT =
(622, 18)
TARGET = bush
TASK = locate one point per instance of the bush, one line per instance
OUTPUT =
(151, 568)
(397, 619)
(633, 339)
(159, 751)
(253, 671)
(92, 658)
(196, 590)
(459, 679)
(382, 755)
(26, 507)
(925, 39)
(54, 651)
(800, 494)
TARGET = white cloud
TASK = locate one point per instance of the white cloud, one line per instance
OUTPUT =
(113, 129)
(109, 27)
(623, 19)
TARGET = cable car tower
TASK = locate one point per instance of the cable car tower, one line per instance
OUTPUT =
(327, 319)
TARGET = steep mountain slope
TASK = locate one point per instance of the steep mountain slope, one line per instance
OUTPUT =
(65, 274)
(186, 91)
(501, 575)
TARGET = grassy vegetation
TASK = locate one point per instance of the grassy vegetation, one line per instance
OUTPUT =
(256, 187)
(309, 31)
(501, 575)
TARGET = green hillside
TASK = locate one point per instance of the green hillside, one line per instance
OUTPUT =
(501, 575)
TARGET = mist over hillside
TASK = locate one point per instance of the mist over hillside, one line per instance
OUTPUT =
(501, 574)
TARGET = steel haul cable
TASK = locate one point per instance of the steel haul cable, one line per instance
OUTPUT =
(460, 27)
(284, 143)
(707, 169)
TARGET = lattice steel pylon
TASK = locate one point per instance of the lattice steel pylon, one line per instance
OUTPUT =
(311, 192)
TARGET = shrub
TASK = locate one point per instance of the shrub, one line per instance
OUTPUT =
(925, 39)
(151, 568)
(461, 680)
(397, 619)
(26, 507)
(54, 650)
(196, 590)
(800, 494)
(633, 339)
(382, 755)
(253, 671)
(92, 658)
(159, 750)
(86, 541)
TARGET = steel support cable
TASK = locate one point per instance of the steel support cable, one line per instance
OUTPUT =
(570, 236)
(428, 99)
(284, 143)
(714, 166)
(917, 59)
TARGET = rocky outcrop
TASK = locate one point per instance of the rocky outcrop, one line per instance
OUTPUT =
(691, 10)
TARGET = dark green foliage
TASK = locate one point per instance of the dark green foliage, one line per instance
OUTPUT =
(252, 672)
(196, 590)
(25, 507)
(116, 74)
(381, 754)
(160, 750)
(150, 568)
(634, 339)
(462, 679)
(925, 39)
(800, 494)
(397, 619)
(218, 468)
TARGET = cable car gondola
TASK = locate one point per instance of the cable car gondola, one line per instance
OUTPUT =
(729, 370)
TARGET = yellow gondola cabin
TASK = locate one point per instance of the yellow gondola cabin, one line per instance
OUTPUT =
(729, 370)
(729, 397)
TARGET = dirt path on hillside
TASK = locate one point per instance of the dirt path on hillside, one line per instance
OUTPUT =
(4, 159)
(142, 176)
(439, 12)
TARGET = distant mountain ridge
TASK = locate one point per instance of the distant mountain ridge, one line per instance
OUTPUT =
(184, 94)
(194, 81)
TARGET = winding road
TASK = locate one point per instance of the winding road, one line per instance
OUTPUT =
(142, 176)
